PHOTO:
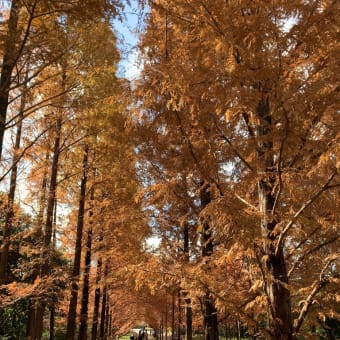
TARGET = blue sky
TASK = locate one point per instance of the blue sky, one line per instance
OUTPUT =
(127, 33)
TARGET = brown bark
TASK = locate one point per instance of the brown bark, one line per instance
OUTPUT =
(281, 327)
(103, 309)
(30, 321)
(166, 320)
(107, 317)
(54, 242)
(32, 309)
(103, 315)
(210, 321)
(11, 195)
(72, 311)
(179, 316)
(49, 225)
(96, 302)
(86, 278)
(188, 309)
(8, 63)
(173, 317)
(52, 321)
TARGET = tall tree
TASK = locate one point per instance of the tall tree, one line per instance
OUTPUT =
(12, 187)
(210, 319)
(254, 109)
(86, 278)
(10, 57)
(72, 312)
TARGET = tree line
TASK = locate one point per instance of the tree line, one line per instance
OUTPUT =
(225, 148)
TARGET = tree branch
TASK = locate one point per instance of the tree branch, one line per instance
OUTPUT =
(300, 211)
(317, 286)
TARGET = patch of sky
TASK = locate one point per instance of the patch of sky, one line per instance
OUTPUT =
(288, 23)
(128, 28)
(153, 243)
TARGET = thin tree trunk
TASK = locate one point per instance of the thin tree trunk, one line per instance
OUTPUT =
(54, 242)
(103, 310)
(49, 224)
(173, 317)
(166, 319)
(107, 316)
(188, 309)
(96, 301)
(110, 327)
(103, 315)
(11, 195)
(281, 326)
(179, 316)
(238, 331)
(72, 311)
(86, 279)
(32, 308)
(52, 321)
(30, 320)
(210, 321)
(8, 63)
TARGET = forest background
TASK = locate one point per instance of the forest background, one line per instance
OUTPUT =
(196, 192)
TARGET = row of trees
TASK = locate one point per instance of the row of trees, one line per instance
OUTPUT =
(69, 221)
(238, 154)
(225, 148)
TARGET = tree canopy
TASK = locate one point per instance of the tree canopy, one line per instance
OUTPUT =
(199, 199)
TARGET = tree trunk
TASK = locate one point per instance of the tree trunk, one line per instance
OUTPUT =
(96, 302)
(48, 225)
(52, 321)
(54, 242)
(30, 321)
(166, 319)
(86, 279)
(107, 317)
(188, 319)
(179, 316)
(72, 311)
(103, 315)
(103, 309)
(280, 326)
(210, 321)
(110, 327)
(32, 308)
(188, 309)
(8, 63)
(238, 330)
(11, 194)
(173, 317)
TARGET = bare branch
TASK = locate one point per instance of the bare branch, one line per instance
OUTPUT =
(245, 202)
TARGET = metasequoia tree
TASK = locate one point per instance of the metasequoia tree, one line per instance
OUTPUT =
(35, 43)
(257, 114)
(36, 24)
(28, 32)
(90, 102)
(71, 318)
(7, 230)
(50, 206)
